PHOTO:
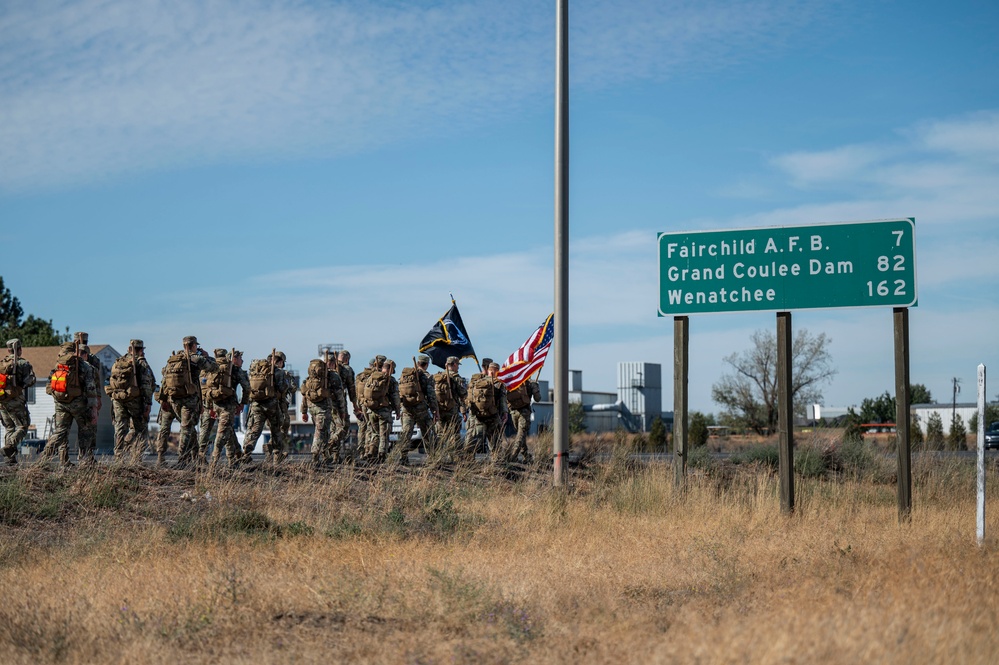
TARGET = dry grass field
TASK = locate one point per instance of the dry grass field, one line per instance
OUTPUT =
(482, 565)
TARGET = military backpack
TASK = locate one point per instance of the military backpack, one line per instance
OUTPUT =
(177, 381)
(65, 384)
(124, 381)
(446, 399)
(410, 390)
(482, 397)
(519, 398)
(316, 386)
(8, 371)
(218, 383)
(376, 389)
(8, 376)
(262, 381)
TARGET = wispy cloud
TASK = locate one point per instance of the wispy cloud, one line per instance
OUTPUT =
(96, 88)
(835, 165)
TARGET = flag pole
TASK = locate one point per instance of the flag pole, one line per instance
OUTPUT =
(560, 424)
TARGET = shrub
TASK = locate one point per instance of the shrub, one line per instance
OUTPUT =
(810, 462)
(934, 432)
(958, 437)
(700, 458)
(657, 435)
(765, 455)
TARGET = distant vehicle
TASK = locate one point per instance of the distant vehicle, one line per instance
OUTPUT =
(992, 436)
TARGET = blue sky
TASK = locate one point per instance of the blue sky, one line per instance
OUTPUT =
(290, 173)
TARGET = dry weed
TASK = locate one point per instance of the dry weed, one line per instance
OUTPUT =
(478, 564)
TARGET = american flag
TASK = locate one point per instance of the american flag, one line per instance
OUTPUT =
(530, 357)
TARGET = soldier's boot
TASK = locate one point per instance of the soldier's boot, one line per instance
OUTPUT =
(317, 460)
(64, 458)
(10, 454)
(160, 460)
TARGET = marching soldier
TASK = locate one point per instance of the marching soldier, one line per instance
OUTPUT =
(225, 380)
(83, 339)
(182, 390)
(488, 406)
(451, 391)
(131, 389)
(364, 431)
(73, 387)
(323, 397)
(349, 382)
(519, 402)
(208, 425)
(381, 399)
(16, 375)
(419, 406)
(286, 399)
(268, 385)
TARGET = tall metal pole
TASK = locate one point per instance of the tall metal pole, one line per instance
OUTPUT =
(561, 419)
(980, 465)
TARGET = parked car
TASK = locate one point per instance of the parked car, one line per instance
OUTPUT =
(992, 436)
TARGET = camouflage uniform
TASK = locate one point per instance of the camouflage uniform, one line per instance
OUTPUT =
(451, 392)
(380, 426)
(424, 414)
(130, 414)
(226, 410)
(349, 382)
(522, 418)
(327, 416)
(186, 408)
(286, 400)
(82, 409)
(365, 433)
(208, 425)
(486, 427)
(100, 373)
(270, 410)
(13, 402)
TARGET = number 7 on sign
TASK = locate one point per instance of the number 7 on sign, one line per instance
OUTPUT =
(898, 237)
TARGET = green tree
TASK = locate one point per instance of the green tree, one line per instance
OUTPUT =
(957, 439)
(577, 418)
(991, 416)
(698, 432)
(852, 430)
(882, 409)
(878, 410)
(749, 395)
(915, 432)
(934, 432)
(657, 434)
(919, 394)
(32, 331)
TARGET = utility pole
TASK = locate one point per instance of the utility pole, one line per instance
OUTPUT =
(560, 424)
(957, 391)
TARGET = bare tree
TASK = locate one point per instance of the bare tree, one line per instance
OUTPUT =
(749, 395)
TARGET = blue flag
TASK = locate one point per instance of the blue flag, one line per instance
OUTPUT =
(447, 338)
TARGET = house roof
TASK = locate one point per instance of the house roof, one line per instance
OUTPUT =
(43, 358)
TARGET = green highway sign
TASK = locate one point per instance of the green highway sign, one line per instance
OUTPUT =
(783, 268)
